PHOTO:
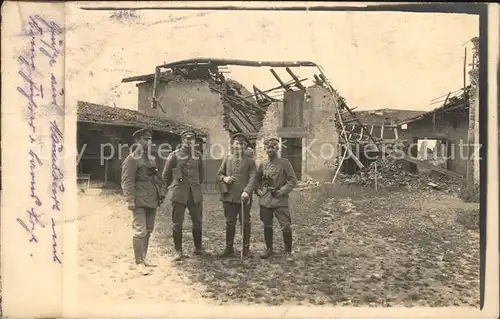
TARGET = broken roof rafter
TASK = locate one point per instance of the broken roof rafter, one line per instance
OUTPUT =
(226, 62)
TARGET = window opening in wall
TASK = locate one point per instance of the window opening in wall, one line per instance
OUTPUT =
(432, 151)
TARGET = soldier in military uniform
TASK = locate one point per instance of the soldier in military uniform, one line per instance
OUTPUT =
(275, 179)
(236, 175)
(144, 191)
(183, 174)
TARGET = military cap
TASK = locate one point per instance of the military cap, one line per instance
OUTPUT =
(142, 132)
(272, 139)
(240, 136)
(188, 132)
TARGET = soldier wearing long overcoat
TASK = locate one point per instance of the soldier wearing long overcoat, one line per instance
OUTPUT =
(144, 192)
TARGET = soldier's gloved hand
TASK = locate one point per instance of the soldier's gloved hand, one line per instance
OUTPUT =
(228, 179)
(245, 197)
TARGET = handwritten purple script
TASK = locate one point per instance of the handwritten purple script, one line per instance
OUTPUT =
(44, 47)
(57, 175)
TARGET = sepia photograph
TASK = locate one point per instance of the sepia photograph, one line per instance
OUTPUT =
(235, 157)
(279, 158)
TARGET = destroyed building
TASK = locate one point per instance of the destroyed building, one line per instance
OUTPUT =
(448, 125)
(196, 92)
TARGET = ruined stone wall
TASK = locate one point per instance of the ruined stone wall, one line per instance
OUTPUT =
(271, 122)
(320, 147)
(322, 142)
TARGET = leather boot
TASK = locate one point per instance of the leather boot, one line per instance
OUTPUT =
(177, 235)
(246, 240)
(287, 239)
(147, 261)
(230, 232)
(197, 236)
(138, 246)
(268, 237)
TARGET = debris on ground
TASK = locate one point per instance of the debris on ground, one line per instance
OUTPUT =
(307, 183)
(468, 218)
(362, 250)
(390, 173)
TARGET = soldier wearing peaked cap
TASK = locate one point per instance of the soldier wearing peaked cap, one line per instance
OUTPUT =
(144, 191)
(188, 133)
(144, 132)
(274, 181)
(236, 179)
(183, 174)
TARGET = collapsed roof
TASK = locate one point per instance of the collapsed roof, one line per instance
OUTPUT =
(243, 111)
(457, 100)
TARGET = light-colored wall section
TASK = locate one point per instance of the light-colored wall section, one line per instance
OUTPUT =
(322, 143)
(190, 102)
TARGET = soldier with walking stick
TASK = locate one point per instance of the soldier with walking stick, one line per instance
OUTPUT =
(144, 192)
(183, 174)
(275, 179)
(236, 180)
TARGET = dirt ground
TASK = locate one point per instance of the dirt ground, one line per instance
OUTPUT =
(400, 248)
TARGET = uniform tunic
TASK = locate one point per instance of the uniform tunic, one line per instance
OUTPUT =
(143, 188)
(191, 171)
(243, 170)
(141, 183)
(185, 186)
(280, 174)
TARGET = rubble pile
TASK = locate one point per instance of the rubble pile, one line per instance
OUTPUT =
(390, 174)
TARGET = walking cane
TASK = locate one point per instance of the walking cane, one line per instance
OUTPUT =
(242, 214)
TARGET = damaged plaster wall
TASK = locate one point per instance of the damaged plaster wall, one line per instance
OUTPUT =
(319, 161)
(272, 120)
(191, 102)
(453, 125)
(323, 137)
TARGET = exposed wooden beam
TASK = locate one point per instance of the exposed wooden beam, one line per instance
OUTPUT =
(288, 84)
(283, 85)
(245, 117)
(296, 79)
(237, 117)
(259, 91)
(396, 133)
(318, 80)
